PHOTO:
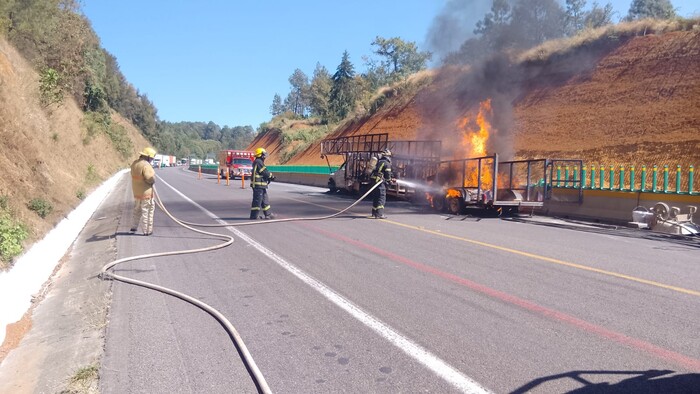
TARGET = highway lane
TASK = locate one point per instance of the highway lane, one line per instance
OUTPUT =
(421, 302)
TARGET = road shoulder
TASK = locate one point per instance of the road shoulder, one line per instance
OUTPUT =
(63, 348)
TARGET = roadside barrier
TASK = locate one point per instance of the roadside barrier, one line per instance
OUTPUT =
(614, 178)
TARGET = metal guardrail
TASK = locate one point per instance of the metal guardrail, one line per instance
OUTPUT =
(618, 178)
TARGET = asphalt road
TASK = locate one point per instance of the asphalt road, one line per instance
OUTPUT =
(421, 302)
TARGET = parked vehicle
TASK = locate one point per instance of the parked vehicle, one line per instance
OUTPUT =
(235, 163)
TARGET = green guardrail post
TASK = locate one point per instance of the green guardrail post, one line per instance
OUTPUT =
(593, 176)
(558, 176)
(665, 179)
(643, 183)
(654, 178)
(566, 176)
(678, 179)
(632, 180)
(691, 177)
(602, 176)
(576, 174)
(622, 177)
(584, 175)
(612, 177)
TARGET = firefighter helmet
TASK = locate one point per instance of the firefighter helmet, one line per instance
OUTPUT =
(148, 152)
(386, 152)
(260, 152)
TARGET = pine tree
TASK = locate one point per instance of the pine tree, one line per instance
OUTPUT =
(342, 97)
(319, 91)
(276, 108)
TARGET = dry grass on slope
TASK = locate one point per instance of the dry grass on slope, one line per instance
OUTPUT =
(46, 152)
(610, 33)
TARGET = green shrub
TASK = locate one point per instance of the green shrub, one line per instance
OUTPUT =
(80, 194)
(4, 202)
(12, 233)
(101, 122)
(50, 87)
(91, 176)
(54, 137)
(42, 207)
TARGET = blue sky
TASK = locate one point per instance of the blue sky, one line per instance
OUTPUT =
(224, 60)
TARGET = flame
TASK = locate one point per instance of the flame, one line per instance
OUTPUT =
(452, 193)
(476, 134)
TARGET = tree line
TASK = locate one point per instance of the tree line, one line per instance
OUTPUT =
(57, 38)
(60, 43)
(332, 97)
(509, 25)
(522, 24)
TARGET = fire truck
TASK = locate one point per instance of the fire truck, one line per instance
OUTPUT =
(236, 163)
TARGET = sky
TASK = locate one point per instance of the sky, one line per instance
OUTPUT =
(224, 60)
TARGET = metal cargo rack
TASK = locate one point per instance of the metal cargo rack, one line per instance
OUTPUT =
(488, 182)
(368, 143)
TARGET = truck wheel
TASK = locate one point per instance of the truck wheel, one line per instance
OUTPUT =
(438, 203)
(455, 205)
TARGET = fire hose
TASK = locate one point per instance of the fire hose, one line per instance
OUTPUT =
(105, 274)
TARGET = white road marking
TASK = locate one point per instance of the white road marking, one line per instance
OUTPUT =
(414, 350)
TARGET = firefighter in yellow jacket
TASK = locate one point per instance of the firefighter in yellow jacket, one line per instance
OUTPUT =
(259, 180)
(142, 179)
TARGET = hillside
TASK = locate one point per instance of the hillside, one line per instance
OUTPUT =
(629, 95)
(48, 152)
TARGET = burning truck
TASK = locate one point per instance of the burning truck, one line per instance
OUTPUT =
(412, 162)
(471, 179)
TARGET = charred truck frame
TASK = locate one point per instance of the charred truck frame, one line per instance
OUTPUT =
(486, 182)
(411, 160)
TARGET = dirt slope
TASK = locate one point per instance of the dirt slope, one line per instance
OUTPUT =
(631, 101)
(43, 153)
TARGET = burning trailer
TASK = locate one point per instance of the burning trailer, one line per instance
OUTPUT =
(488, 183)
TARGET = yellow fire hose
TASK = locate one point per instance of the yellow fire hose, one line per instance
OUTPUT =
(247, 359)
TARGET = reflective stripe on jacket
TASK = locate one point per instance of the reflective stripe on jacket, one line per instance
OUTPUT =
(261, 175)
(383, 170)
(142, 179)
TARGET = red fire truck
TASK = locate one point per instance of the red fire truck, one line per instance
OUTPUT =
(238, 163)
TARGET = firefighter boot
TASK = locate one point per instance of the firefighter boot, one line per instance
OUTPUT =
(374, 213)
(269, 215)
(254, 215)
(380, 214)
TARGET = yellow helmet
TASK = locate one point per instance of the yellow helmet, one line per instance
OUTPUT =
(148, 152)
(260, 152)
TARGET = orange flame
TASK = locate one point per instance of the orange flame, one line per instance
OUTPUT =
(453, 193)
(474, 140)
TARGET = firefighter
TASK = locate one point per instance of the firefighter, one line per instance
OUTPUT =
(259, 180)
(382, 173)
(142, 179)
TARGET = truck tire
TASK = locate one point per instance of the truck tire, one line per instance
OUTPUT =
(439, 203)
(455, 205)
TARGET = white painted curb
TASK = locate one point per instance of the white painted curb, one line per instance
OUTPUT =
(34, 267)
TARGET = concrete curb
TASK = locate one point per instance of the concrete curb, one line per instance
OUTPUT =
(35, 266)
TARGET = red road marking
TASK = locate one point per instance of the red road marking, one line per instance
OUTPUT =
(665, 354)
